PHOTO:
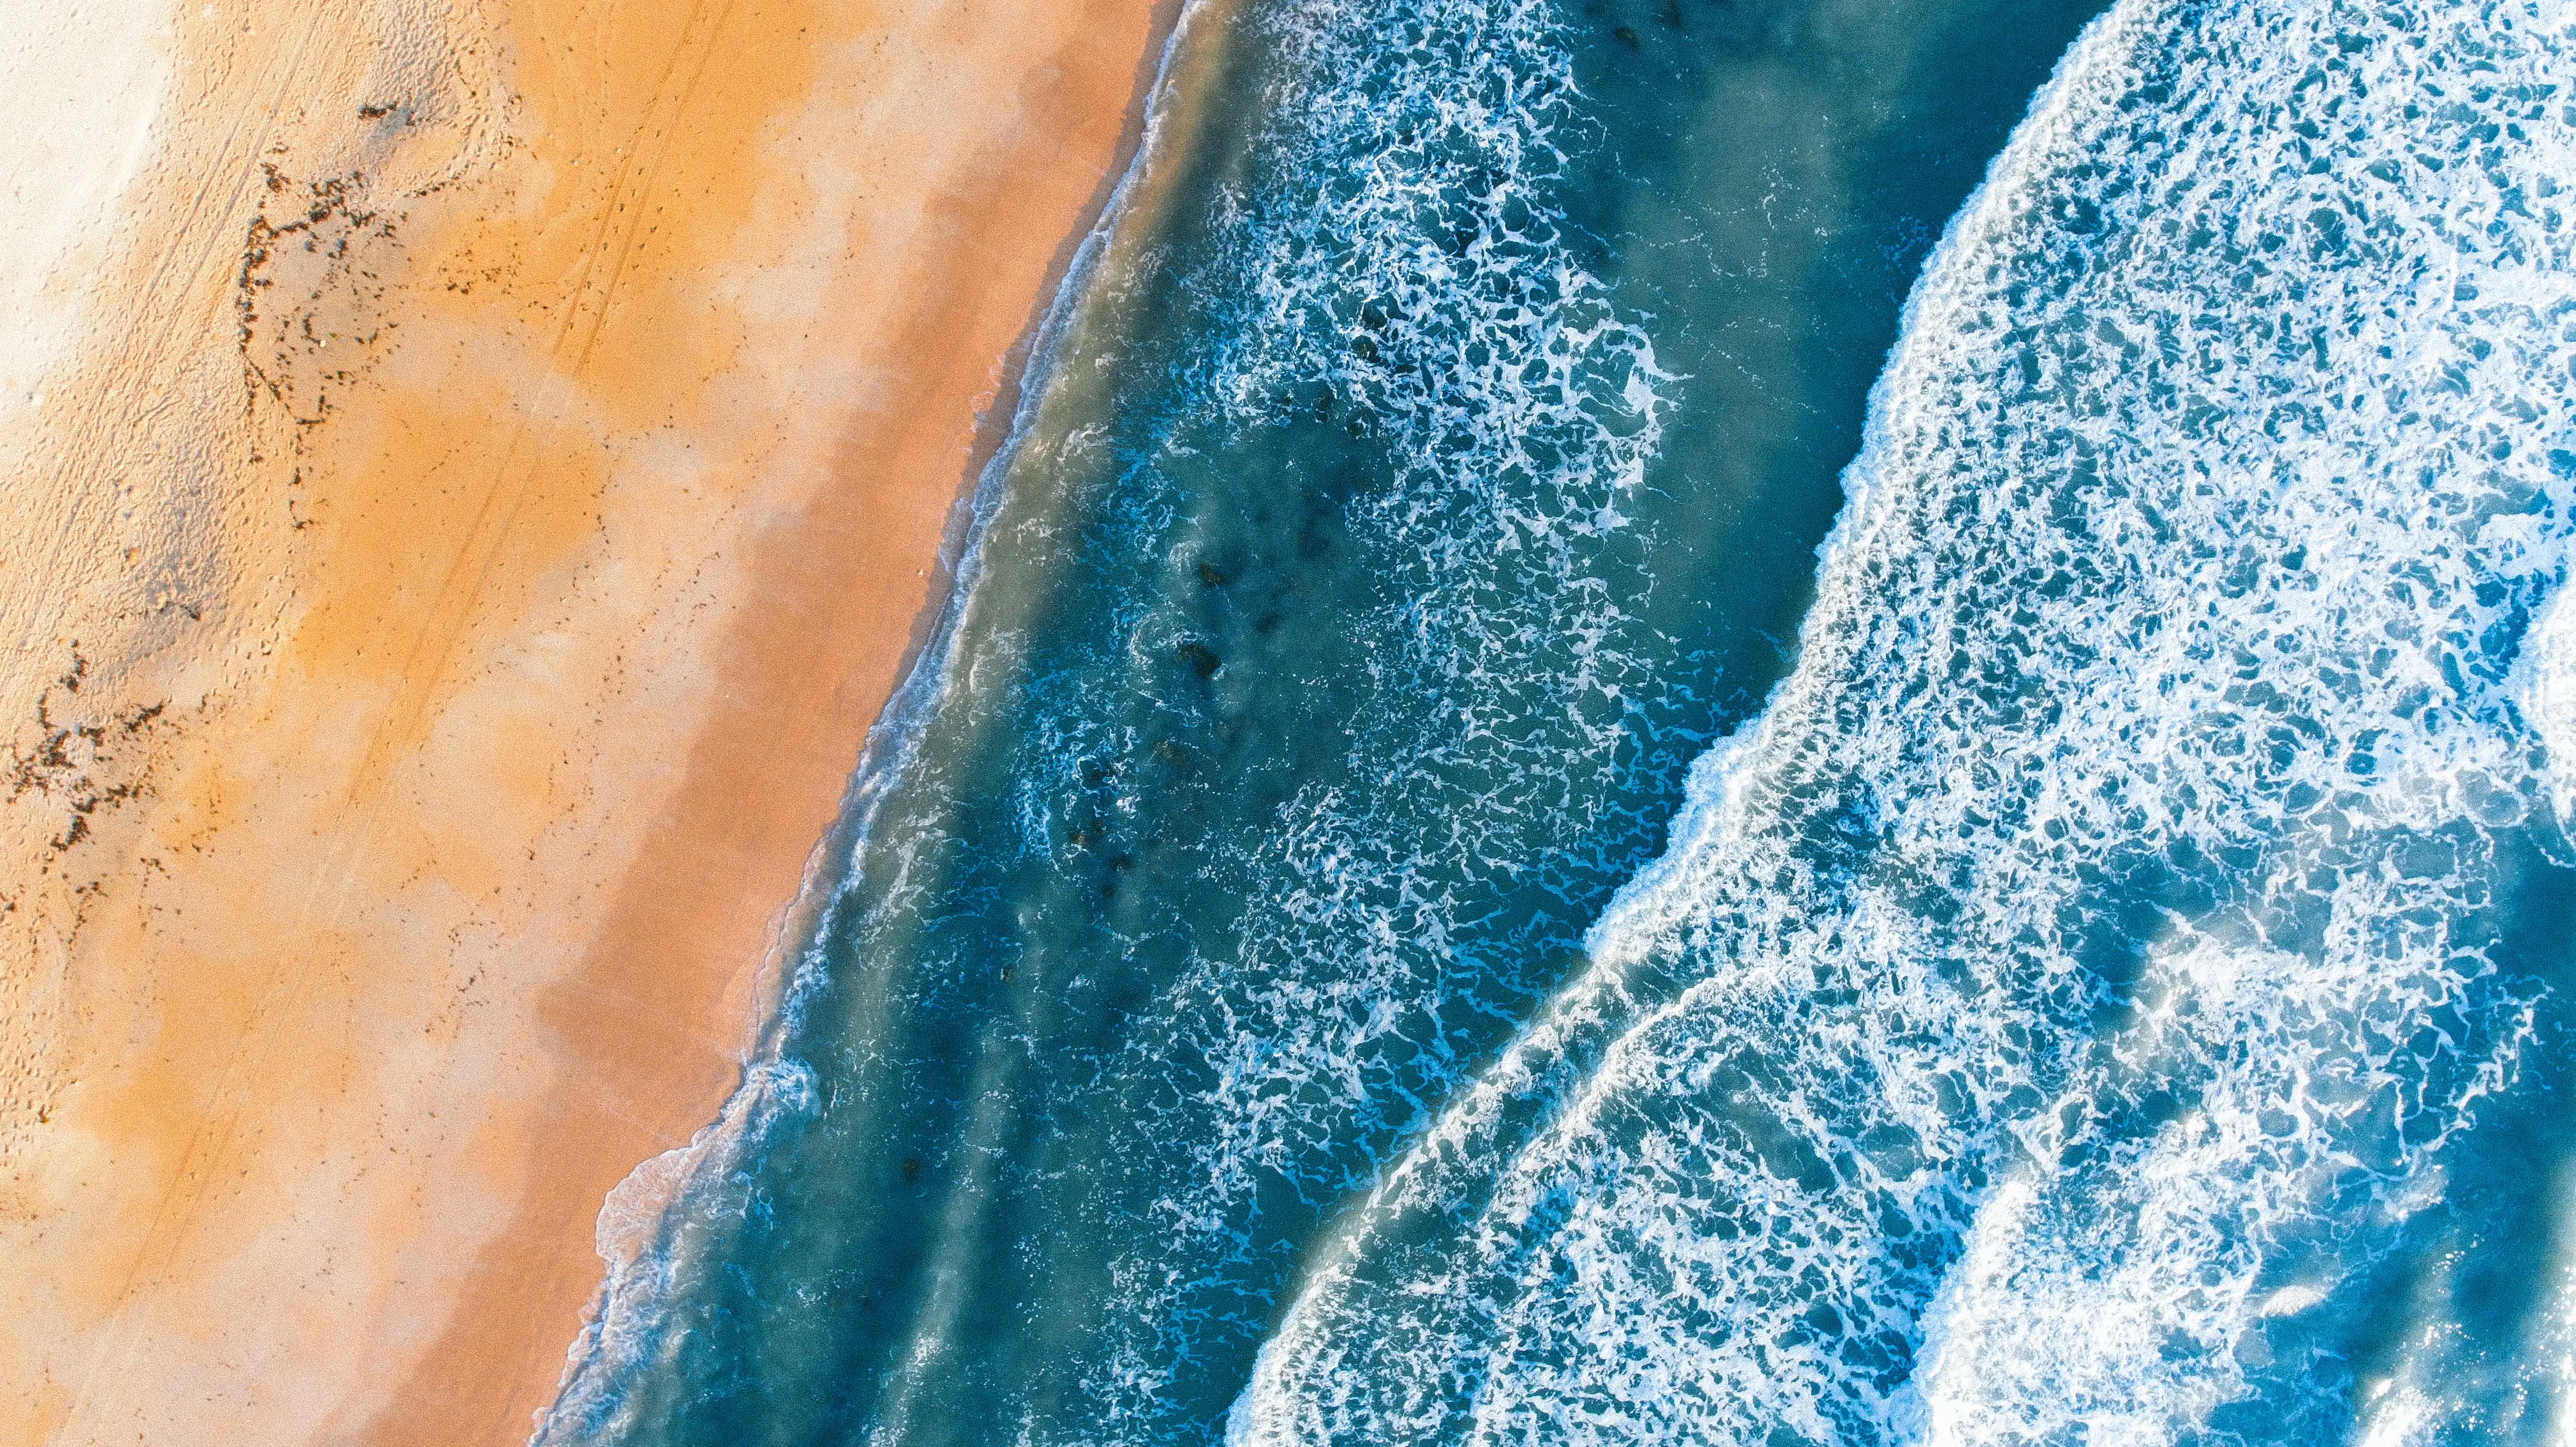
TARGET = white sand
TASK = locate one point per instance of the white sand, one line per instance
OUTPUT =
(81, 88)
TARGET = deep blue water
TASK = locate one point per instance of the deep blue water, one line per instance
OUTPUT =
(1718, 722)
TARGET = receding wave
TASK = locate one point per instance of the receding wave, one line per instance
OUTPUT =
(2086, 966)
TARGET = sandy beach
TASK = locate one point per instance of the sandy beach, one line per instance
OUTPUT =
(474, 473)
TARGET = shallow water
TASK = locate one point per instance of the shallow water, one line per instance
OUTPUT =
(2098, 984)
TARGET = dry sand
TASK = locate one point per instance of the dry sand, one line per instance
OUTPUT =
(473, 470)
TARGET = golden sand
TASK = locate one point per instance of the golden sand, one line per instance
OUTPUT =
(492, 488)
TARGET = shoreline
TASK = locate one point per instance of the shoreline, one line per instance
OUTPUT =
(673, 1180)
(522, 666)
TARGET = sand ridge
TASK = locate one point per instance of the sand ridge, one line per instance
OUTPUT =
(492, 490)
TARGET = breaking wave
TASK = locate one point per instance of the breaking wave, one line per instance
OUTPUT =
(2055, 1002)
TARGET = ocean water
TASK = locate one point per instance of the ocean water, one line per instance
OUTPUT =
(1715, 722)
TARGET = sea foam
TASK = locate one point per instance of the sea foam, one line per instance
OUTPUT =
(2076, 979)
(1404, 270)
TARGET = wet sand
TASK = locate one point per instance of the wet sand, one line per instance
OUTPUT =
(491, 480)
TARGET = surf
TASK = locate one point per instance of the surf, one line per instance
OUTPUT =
(2056, 1003)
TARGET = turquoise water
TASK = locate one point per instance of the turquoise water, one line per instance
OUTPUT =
(1621, 761)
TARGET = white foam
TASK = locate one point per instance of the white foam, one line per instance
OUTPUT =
(2549, 695)
(2181, 570)
(1649, 906)
(1406, 252)
(639, 1235)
